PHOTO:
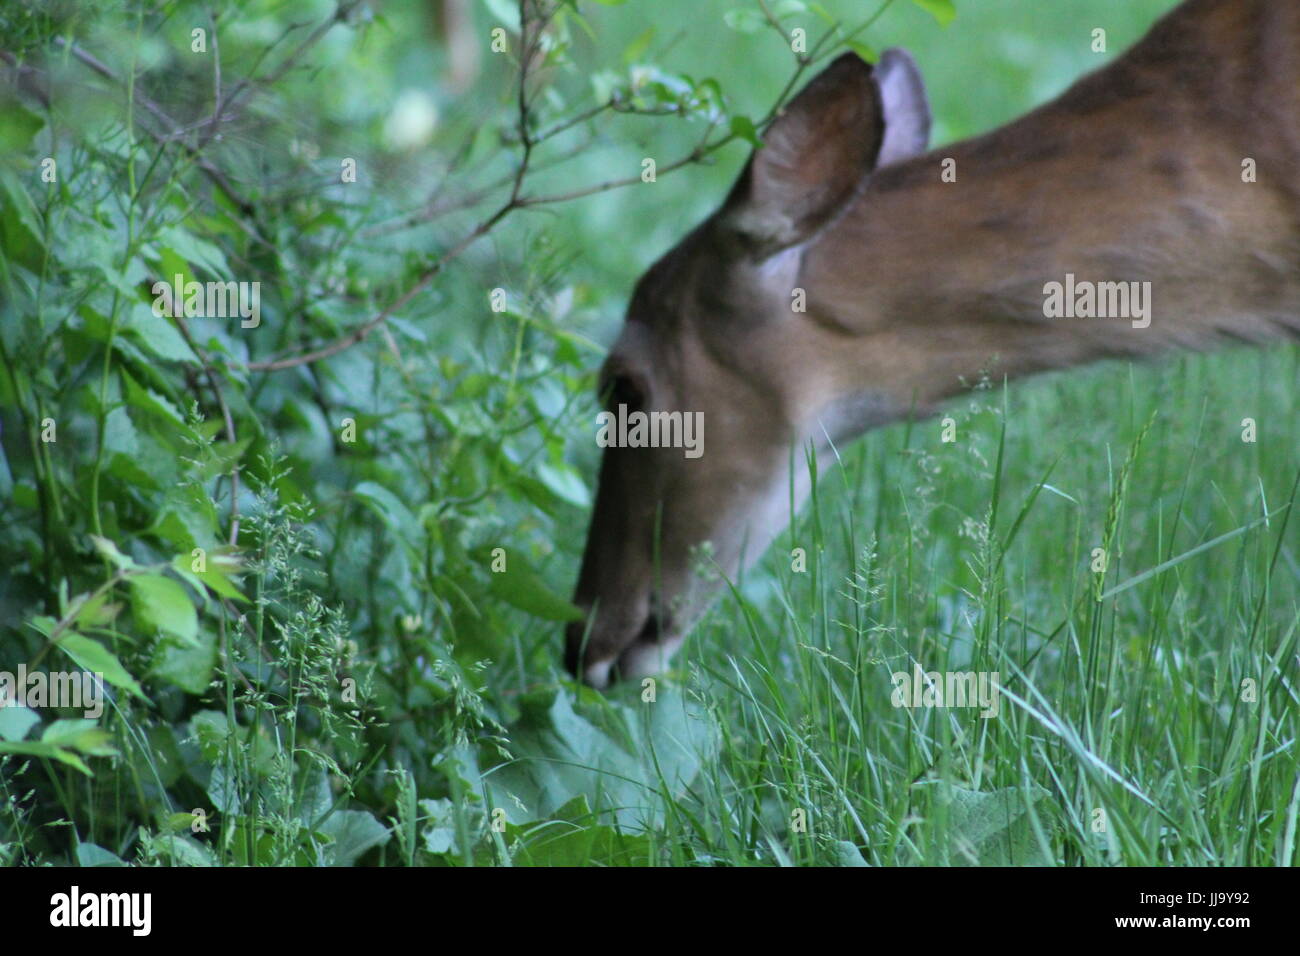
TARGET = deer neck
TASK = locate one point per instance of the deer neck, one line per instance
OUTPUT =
(947, 267)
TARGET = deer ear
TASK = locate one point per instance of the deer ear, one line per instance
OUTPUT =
(906, 108)
(818, 152)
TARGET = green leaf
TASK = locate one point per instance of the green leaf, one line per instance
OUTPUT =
(864, 50)
(211, 729)
(219, 563)
(83, 735)
(157, 335)
(743, 127)
(160, 604)
(91, 854)
(390, 509)
(195, 251)
(183, 850)
(941, 10)
(439, 830)
(565, 483)
(223, 790)
(634, 50)
(354, 832)
(20, 230)
(222, 457)
(150, 401)
(15, 721)
(619, 756)
(848, 854)
(993, 828)
(823, 13)
(220, 584)
(179, 822)
(48, 751)
(744, 19)
(520, 587)
(95, 657)
(18, 125)
(572, 838)
(187, 666)
(109, 550)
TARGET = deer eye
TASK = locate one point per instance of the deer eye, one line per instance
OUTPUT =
(621, 388)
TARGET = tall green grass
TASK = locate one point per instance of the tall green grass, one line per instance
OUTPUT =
(1125, 736)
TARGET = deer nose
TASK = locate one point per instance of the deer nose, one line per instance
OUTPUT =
(594, 661)
(578, 657)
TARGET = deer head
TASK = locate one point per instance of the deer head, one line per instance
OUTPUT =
(718, 329)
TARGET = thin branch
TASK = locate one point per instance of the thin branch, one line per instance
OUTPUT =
(341, 12)
(518, 200)
(171, 127)
(361, 333)
(694, 156)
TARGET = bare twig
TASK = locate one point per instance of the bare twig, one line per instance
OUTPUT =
(517, 199)
(27, 78)
(340, 15)
(171, 128)
(361, 333)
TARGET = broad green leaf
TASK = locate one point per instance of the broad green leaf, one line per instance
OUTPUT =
(211, 729)
(83, 735)
(848, 854)
(216, 566)
(20, 229)
(223, 789)
(161, 604)
(565, 482)
(195, 251)
(188, 666)
(571, 837)
(181, 849)
(354, 832)
(15, 721)
(150, 401)
(993, 828)
(619, 756)
(390, 509)
(91, 854)
(95, 657)
(520, 587)
(91, 611)
(825, 15)
(18, 125)
(157, 335)
(179, 822)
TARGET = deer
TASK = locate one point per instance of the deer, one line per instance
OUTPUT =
(1175, 168)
